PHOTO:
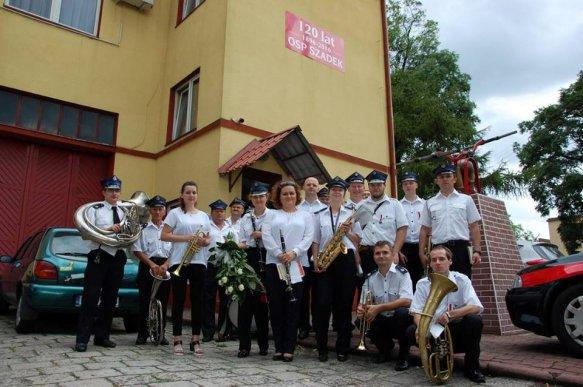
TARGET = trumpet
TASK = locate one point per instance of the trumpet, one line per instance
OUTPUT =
(364, 325)
(191, 249)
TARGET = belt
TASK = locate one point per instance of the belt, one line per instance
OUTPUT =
(454, 242)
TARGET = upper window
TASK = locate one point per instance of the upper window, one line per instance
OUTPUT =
(186, 7)
(185, 107)
(42, 115)
(82, 15)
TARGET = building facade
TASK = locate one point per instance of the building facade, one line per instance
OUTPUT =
(183, 90)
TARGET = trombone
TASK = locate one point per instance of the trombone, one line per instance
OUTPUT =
(364, 325)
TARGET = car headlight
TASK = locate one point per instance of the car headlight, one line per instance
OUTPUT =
(517, 282)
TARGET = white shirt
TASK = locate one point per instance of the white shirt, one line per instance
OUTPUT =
(236, 225)
(449, 216)
(389, 217)
(187, 224)
(465, 295)
(413, 213)
(298, 232)
(351, 204)
(217, 234)
(246, 228)
(395, 285)
(150, 244)
(312, 207)
(323, 230)
(101, 215)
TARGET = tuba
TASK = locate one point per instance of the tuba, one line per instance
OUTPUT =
(436, 354)
(335, 246)
(135, 216)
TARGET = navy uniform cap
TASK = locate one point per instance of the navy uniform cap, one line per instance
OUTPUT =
(112, 182)
(336, 182)
(156, 201)
(323, 192)
(409, 176)
(355, 178)
(376, 177)
(218, 205)
(259, 189)
(237, 201)
(447, 168)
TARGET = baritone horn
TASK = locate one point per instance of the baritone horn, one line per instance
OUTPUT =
(436, 353)
(155, 311)
(364, 325)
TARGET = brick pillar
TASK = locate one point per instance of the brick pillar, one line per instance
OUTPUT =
(500, 262)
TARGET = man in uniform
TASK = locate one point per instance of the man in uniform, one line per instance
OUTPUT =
(312, 205)
(388, 222)
(460, 310)
(104, 271)
(218, 233)
(413, 206)
(237, 207)
(355, 190)
(452, 220)
(391, 291)
(324, 196)
(152, 253)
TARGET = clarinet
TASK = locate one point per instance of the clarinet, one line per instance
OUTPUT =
(288, 281)
(261, 259)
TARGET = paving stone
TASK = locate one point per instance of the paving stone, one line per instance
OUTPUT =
(62, 369)
(90, 374)
(141, 363)
(55, 378)
(24, 366)
(98, 382)
(137, 370)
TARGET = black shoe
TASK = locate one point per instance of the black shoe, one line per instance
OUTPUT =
(323, 357)
(401, 365)
(164, 341)
(106, 343)
(475, 376)
(141, 340)
(206, 339)
(303, 333)
(80, 347)
(341, 357)
(243, 353)
(263, 352)
(277, 357)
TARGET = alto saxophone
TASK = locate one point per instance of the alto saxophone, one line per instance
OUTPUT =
(190, 251)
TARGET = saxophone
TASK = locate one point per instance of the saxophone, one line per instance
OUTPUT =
(436, 354)
(192, 248)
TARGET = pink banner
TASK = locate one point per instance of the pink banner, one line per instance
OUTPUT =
(314, 42)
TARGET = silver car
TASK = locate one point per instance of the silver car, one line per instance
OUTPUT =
(533, 253)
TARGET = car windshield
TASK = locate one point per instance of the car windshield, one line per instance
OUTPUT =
(67, 244)
(548, 251)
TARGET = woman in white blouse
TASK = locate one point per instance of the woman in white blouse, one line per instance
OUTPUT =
(287, 236)
(180, 226)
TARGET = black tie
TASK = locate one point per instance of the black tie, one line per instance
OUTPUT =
(115, 215)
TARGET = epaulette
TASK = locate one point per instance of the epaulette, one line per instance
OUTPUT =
(349, 206)
(98, 205)
(321, 210)
(402, 269)
(371, 273)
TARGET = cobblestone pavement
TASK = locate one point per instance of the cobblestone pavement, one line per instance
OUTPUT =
(47, 358)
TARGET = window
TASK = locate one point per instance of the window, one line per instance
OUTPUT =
(82, 15)
(185, 107)
(38, 114)
(186, 7)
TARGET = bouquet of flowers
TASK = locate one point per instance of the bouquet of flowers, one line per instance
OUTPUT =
(234, 274)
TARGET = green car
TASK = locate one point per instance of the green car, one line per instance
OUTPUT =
(47, 275)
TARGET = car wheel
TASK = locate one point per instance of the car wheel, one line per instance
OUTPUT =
(568, 319)
(130, 323)
(25, 317)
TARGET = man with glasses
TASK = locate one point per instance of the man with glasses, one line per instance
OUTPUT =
(452, 220)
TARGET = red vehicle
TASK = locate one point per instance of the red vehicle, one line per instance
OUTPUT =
(547, 299)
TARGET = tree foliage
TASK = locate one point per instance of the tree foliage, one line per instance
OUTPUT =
(552, 161)
(431, 98)
(520, 232)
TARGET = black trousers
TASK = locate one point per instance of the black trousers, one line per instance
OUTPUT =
(103, 276)
(145, 281)
(255, 305)
(209, 323)
(384, 329)
(461, 261)
(367, 260)
(466, 334)
(284, 314)
(334, 291)
(193, 274)
(306, 298)
(413, 265)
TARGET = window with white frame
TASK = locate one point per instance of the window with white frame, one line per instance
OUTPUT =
(190, 5)
(82, 15)
(185, 107)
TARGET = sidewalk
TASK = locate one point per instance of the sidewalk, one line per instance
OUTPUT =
(526, 356)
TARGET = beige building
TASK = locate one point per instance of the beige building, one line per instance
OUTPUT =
(554, 224)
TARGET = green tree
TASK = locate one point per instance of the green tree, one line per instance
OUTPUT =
(552, 161)
(431, 98)
(520, 232)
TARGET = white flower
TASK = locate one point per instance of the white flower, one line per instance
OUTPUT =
(240, 271)
(223, 280)
(229, 290)
(241, 287)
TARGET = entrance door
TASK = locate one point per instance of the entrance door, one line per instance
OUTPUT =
(252, 176)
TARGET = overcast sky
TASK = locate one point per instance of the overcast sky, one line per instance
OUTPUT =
(519, 53)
